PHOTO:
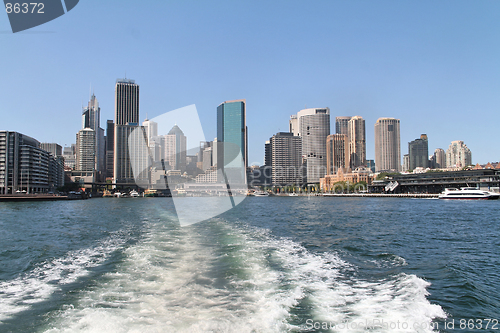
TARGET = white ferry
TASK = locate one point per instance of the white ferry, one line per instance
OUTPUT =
(468, 193)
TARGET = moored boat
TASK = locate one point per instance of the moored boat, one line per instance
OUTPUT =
(468, 193)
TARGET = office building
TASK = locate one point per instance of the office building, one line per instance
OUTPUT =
(337, 153)
(294, 125)
(151, 128)
(174, 146)
(232, 138)
(69, 154)
(458, 155)
(126, 120)
(418, 153)
(286, 159)
(342, 125)
(126, 102)
(24, 166)
(387, 145)
(370, 164)
(268, 153)
(85, 150)
(90, 144)
(314, 127)
(356, 135)
(406, 163)
(52, 148)
(110, 146)
(439, 158)
(131, 153)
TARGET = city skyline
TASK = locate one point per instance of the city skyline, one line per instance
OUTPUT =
(433, 66)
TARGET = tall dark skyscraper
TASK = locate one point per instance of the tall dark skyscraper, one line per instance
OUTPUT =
(126, 120)
(232, 132)
(286, 155)
(110, 148)
(418, 152)
(126, 102)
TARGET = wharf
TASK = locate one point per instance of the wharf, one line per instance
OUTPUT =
(383, 195)
(38, 197)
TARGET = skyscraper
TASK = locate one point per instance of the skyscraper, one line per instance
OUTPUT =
(337, 153)
(126, 102)
(439, 158)
(286, 156)
(387, 145)
(314, 127)
(126, 120)
(85, 150)
(53, 148)
(342, 125)
(356, 135)
(458, 155)
(110, 148)
(174, 149)
(418, 153)
(232, 135)
(90, 146)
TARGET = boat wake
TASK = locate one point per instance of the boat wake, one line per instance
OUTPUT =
(216, 277)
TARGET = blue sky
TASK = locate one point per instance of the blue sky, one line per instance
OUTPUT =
(435, 65)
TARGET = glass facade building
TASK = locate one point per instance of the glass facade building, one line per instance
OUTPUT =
(232, 136)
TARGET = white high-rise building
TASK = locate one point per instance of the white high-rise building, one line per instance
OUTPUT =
(387, 145)
(90, 153)
(174, 149)
(313, 127)
(458, 155)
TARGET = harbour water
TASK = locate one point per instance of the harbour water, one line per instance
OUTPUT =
(272, 264)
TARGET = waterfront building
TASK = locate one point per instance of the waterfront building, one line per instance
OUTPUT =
(387, 145)
(126, 120)
(110, 148)
(356, 135)
(337, 153)
(436, 182)
(418, 151)
(52, 148)
(342, 125)
(329, 183)
(458, 155)
(56, 164)
(56, 172)
(232, 137)
(439, 158)
(314, 127)
(24, 166)
(286, 159)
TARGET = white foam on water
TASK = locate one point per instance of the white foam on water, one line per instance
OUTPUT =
(38, 285)
(169, 282)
